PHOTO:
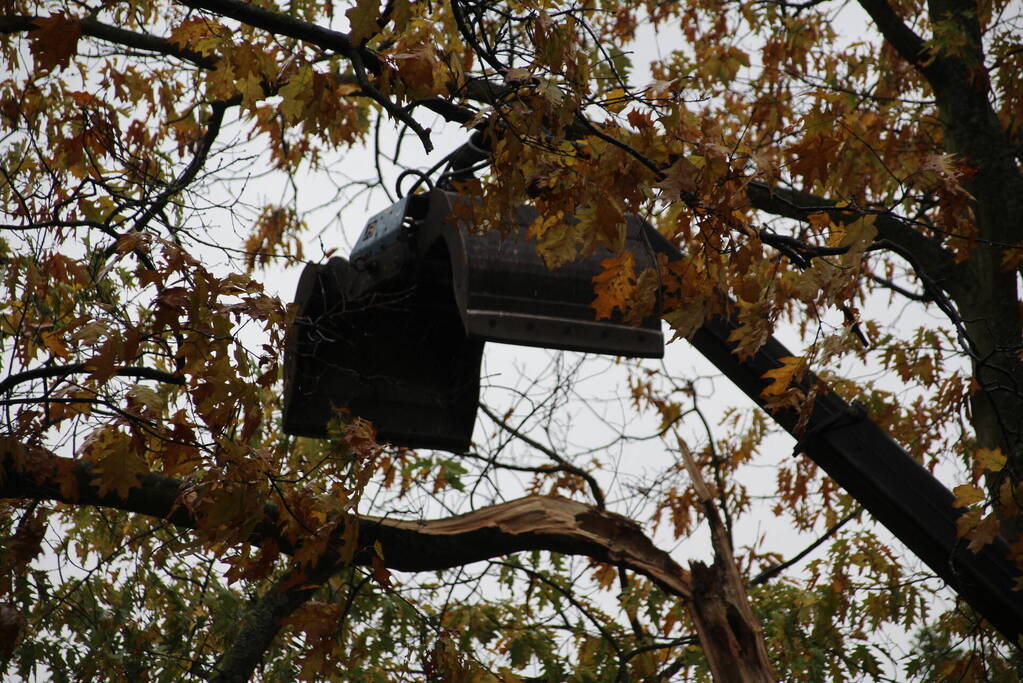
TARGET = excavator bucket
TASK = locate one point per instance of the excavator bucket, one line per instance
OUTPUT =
(505, 292)
(387, 347)
(396, 334)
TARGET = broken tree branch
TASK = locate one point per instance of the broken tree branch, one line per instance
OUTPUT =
(731, 635)
(547, 523)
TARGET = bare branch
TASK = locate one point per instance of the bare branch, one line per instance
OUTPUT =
(563, 465)
(261, 623)
(771, 572)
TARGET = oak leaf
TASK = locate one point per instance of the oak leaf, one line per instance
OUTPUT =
(362, 19)
(968, 494)
(681, 179)
(55, 345)
(615, 285)
(983, 533)
(55, 41)
(990, 459)
(117, 467)
(782, 378)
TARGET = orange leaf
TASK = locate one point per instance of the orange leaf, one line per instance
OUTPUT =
(615, 285)
(55, 345)
(380, 573)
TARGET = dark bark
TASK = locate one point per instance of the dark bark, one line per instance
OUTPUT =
(261, 624)
(985, 293)
(731, 635)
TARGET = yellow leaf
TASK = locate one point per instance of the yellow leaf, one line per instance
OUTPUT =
(860, 233)
(558, 240)
(295, 95)
(616, 100)
(791, 371)
(362, 19)
(199, 34)
(968, 494)
(990, 459)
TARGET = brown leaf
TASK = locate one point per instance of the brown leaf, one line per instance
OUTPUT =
(11, 625)
(55, 41)
(118, 468)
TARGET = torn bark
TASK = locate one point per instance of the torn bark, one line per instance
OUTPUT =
(731, 636)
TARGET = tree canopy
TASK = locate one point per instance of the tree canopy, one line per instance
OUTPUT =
(848, 174)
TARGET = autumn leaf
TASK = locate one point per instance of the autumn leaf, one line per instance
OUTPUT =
(558, 240)
(117, 467)
(55, 41)
(782, 378)
(148, 397)
(685, 320)
(296, 93)
(984, 533)
(380, 573)
(55, 345)
(615, 100)
(199, 34)
(362, 18)
(990, 459)
(644, 296)
(517, 75)
(968, 494)
(680, 180)
(615, 285)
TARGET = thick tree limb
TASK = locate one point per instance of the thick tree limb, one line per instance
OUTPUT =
(905, 41)
(260, 625)
(937, 263)
(119, 36)
(533, 523)
(732, 637)
(283, 24)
